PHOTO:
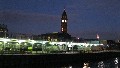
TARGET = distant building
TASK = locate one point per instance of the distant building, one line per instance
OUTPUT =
(64, 22)
(112, 44)
(92, 41)
(3, 31)
(20, 36)
(57, 36)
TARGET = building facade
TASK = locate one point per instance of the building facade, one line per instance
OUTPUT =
(3, 31)
(56, 36)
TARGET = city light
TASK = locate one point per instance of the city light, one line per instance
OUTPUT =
(29, 44)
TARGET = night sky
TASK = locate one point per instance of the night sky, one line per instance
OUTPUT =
(86, 18)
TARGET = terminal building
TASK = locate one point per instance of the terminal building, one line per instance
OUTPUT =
(57, 36)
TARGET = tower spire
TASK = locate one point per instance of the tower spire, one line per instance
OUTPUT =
(64, 22)
(64, 8)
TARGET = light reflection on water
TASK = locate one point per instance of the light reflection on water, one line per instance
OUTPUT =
(112, 63)
(101, 64)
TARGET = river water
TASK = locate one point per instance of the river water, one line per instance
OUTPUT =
(111, 63)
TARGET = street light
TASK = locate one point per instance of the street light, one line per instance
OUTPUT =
(72, 46)
(98, 38)
(5, 34)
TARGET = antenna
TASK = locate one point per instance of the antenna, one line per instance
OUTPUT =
(64, 7)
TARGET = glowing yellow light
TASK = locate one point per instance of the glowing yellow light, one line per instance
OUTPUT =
(48, 37)
(29, 48)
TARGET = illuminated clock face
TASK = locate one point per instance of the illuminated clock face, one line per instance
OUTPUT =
(62, 20)
(65, 20)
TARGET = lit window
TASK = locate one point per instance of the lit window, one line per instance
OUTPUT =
(65, 20)
(62, 20)
(62, 29)
(48, 37)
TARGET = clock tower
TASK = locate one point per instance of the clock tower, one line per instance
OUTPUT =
(64, 22)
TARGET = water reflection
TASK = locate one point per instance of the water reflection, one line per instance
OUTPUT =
(86, 65)
(116, 62)
(67, 67)
(101, 64)
(70, 66)
(111, 63)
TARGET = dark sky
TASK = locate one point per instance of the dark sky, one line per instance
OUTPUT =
(86, 18)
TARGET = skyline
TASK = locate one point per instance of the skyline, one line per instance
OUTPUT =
(86, 19)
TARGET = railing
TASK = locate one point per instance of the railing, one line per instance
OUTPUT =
(106, 51)
(53, 52)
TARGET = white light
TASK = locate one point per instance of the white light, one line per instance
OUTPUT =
(62, 20)
(32, 41)
(70, 66)
(116, 61)
(65, 20)
(20, 41)
(6, 40)
(86, 65)
(101, 64)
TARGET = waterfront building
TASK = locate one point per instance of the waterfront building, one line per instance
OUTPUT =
(57, 36)
(64, 22)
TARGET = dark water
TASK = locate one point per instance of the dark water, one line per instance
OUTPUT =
(111, 63)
